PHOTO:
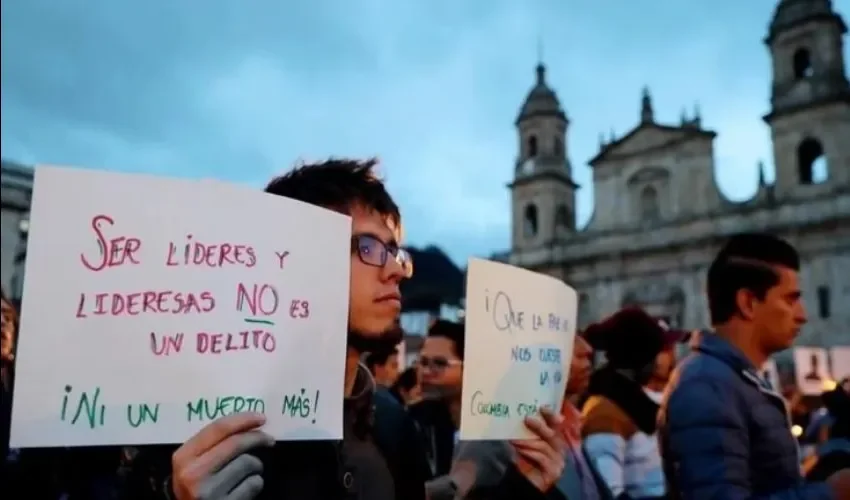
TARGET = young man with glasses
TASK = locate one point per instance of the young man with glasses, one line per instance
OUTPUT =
(440, 369)
(380, 457)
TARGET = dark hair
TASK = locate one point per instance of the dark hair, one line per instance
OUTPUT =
(337, 184)
(630, 338)
(455, 332)
(379, 357)
(406, 380)
(748, 261)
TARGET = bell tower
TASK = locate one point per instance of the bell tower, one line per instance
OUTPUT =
(542, 191)
(809, 117)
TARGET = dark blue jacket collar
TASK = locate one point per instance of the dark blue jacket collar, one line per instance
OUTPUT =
(720, 348)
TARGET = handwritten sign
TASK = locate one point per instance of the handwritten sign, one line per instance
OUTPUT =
(153, 306)
(520, 327)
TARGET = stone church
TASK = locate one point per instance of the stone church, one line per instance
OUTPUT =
(660, 217)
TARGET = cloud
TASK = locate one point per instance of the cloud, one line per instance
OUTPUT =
(240, 90)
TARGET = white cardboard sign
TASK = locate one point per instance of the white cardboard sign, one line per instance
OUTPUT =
(520, 327)
(153, 306)
(840, 356)
(811, 369)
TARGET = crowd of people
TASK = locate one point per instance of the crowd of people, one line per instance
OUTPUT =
(641, 424)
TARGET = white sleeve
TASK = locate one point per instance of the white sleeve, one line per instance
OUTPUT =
(608, 453)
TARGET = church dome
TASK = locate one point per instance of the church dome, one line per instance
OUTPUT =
(790, 13)
(541, 100)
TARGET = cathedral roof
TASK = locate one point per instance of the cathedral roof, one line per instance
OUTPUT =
(790, 13)
(648, 136)
(541, 100)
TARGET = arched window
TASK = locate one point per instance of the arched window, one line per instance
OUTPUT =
(562, 219)
(812, 167)
(558, 147)
(530, 223)
(649, 208)
(532, 146)
(802, 64)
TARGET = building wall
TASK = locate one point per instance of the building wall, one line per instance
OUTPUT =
(15, 193)
(627, 255)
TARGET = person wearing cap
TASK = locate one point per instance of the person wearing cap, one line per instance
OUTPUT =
(619, 416)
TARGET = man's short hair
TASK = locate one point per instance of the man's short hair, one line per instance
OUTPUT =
(455, 332)
(337, 184)
(748, 261)
(406, 380)
(379, 358)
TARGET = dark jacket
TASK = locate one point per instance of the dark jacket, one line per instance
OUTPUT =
(437, 432)
(832, 456)
(725, 434)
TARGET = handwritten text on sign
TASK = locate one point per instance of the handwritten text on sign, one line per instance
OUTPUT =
(520, 327)
(178, 303)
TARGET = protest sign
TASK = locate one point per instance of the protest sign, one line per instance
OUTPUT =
(811, 368)
(520, 327)
(840, 356)
(154, 306)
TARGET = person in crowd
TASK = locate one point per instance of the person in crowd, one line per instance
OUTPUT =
(479, 465)
(724, 433)
(380, 456)
(406, 388)
(619, 416)
(383, 365)
(440, 368)
(7, 360)
(665, 362)
(833, 454)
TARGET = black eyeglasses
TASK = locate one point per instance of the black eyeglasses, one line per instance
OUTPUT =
(437, 363)
(374, 252)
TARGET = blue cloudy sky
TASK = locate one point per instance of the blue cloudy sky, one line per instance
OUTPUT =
(240, 89)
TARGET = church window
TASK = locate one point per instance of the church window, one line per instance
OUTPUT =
(532, 146)
(824, 310)
(562, 219)
(649, 208)
(812, 166)
(558, 147)
(529, 226)
(802, 64)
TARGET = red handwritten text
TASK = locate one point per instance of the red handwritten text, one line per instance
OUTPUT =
(149, 302)
(210, 255)
(281, 256)
(169, 344)
(299, 309)
(113, 251)
(216, 343)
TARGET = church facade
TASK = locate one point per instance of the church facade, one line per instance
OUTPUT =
(660, 218)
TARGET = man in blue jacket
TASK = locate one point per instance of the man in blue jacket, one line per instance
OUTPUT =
(724, 433)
